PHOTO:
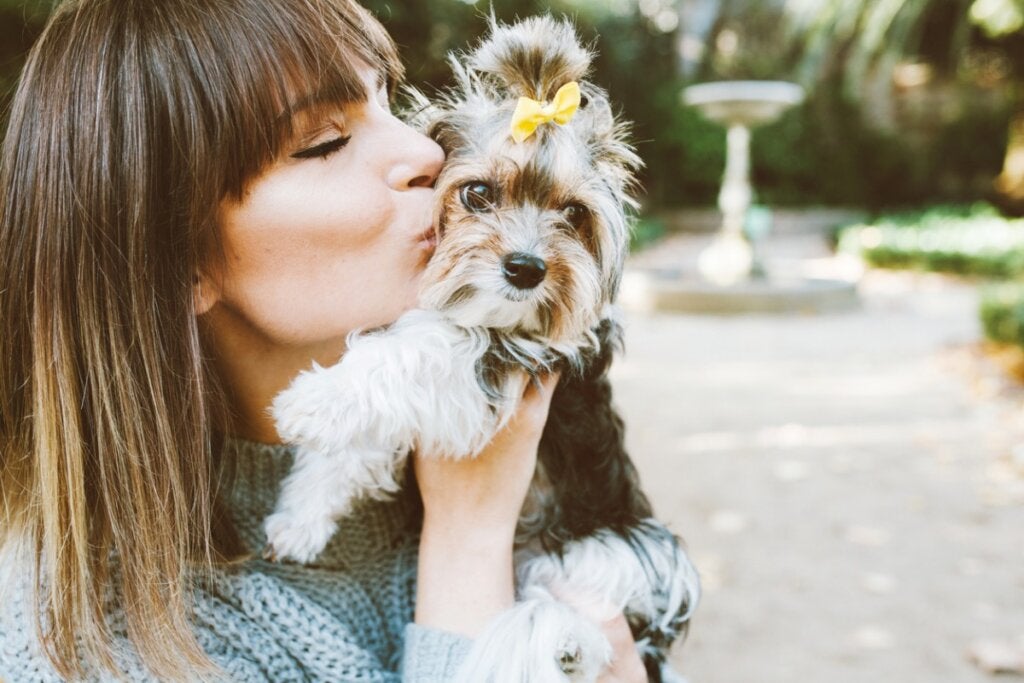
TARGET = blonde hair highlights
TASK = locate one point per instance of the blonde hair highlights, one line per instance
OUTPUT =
(132, 121)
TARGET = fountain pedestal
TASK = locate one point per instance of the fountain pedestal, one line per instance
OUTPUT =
(730, 258)
(739, 106)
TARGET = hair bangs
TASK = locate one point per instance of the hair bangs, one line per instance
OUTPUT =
(310, 54)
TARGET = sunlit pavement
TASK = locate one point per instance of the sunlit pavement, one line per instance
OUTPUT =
(848, 485)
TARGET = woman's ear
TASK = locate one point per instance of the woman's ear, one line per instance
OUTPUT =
(205, 292)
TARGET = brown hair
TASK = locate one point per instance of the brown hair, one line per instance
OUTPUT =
(132, 121)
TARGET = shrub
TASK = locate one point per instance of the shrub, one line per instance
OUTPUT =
(973, 241)
(1002, 313)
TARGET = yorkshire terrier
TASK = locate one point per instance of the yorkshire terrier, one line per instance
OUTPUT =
(533, 233)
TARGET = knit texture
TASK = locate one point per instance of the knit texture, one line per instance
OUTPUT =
(346, 617)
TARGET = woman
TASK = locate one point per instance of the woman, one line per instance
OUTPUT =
(200, 198)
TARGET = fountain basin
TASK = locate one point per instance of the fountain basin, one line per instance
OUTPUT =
(745, 103)
(670, 290)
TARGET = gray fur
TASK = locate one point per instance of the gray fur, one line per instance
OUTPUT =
(532, 58)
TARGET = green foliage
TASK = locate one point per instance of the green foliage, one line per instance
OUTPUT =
(824, 153)
(966, 51)
(749, 43)
(21, 22)
(846, 40)
(1002, 313)
(646, 231)
(820, 153)
(30, 10)
(973, 241)
(687, 160)
(833, 150)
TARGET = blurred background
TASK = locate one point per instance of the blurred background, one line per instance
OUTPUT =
(909, 101)
(851, 482)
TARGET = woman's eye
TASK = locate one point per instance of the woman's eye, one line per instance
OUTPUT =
(576, 214)
(322, 150)
(478, 197)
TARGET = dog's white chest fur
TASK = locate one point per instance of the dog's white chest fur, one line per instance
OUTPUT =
(412, 386)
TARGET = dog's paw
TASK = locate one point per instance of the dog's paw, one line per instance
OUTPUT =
(289, 538)
(582, 652)
(571, 660)
(309, 409)
(537, 640)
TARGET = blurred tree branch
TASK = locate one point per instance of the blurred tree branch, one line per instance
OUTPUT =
(858, 39)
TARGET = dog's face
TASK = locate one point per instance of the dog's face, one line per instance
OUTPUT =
(534, 233)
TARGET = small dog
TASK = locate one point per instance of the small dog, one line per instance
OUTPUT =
(532, 213)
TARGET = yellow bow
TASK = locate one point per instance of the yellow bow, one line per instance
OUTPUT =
(530, 113)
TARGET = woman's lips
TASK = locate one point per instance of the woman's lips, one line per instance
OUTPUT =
(428, 238)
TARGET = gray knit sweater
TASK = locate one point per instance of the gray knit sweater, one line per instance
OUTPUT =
(347, 617)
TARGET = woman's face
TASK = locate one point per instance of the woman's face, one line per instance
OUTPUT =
(334, 235)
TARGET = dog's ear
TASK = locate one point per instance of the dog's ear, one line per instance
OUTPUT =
(416, 109)
(531, 58)
(594, 101)
(450, 132)
(445, 125)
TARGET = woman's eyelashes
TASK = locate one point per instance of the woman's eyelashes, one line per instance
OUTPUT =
(323, 149)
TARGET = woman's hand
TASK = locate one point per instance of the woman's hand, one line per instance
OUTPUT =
(626, 665)
(470, 510)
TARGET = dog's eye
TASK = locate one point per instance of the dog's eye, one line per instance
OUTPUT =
(576, 214)
(478, 197)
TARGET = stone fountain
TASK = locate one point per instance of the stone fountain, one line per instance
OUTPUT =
(732, 276)
(739, 106)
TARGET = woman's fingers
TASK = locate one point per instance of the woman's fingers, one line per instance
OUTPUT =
(532, 412)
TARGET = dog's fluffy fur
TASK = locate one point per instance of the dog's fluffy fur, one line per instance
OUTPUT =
(446, 376)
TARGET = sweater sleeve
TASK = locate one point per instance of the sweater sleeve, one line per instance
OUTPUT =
(423, 655)
(431, 655)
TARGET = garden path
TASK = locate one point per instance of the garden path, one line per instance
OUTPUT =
(851, 486)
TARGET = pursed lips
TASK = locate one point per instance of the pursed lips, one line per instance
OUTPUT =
(428, 237)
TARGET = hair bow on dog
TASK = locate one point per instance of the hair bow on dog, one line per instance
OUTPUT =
(530, 113)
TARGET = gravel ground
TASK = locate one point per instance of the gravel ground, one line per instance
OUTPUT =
(850, 486)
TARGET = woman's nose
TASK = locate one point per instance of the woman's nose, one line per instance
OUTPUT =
(419, 162)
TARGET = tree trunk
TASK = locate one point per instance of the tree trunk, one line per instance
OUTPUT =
(1009, 185)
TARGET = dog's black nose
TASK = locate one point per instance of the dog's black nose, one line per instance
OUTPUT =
(523, 271)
